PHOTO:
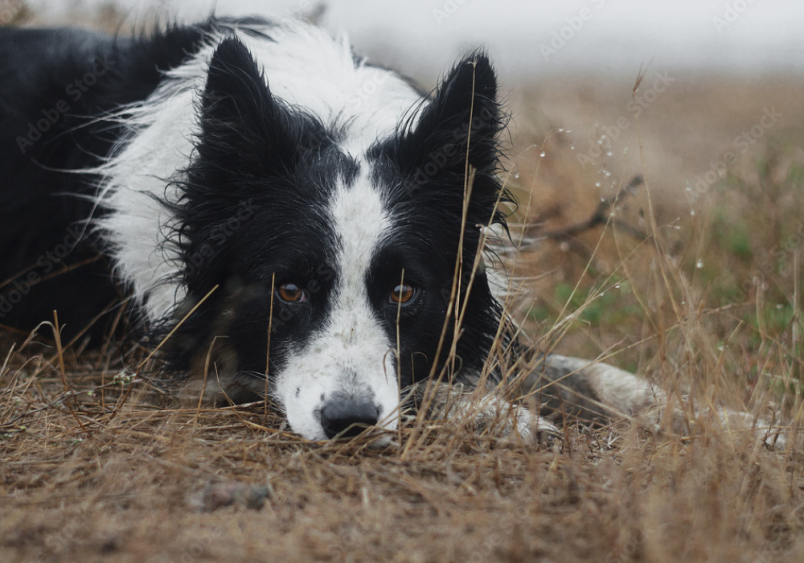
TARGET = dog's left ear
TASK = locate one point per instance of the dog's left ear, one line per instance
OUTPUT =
(460, 125)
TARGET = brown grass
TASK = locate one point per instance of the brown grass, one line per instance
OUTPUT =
(96, 463)
(140, 485)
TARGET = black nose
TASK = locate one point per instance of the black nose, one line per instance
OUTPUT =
(347, 417)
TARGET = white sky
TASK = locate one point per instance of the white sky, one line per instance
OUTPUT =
(424, 36)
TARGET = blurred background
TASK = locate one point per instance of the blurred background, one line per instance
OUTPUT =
(711, 68)
(422, 36)
(704, 100)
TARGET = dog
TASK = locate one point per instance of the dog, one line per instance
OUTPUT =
(293, 222)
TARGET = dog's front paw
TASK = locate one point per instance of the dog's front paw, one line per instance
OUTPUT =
(535, 429)
(495, 417)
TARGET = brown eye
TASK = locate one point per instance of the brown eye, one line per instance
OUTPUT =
(401, 294)
(291, 293)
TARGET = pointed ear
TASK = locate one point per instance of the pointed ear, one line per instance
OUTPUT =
(242, 126)
(464, 111)
(462, 123)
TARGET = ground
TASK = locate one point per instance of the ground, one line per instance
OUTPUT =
(694, 283)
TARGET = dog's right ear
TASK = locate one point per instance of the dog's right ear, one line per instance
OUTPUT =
(243, 127)
(246, 138)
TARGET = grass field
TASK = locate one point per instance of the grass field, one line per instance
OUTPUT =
(692, 280)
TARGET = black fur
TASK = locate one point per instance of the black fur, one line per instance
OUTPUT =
(269, 169)
(424, 168)
(275, 168)
(68, 81)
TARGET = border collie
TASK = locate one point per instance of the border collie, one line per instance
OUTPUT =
(290, 219)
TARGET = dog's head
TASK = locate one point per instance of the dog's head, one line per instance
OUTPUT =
(349, 259)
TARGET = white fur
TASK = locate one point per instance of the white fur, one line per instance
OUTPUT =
(618, 389)
(623, 393)
(351, 354)
(304, 66)
(497, 416)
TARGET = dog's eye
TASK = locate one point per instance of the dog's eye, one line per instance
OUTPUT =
(401, 294)
(291, 293)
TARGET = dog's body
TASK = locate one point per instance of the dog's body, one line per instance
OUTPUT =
(273, 203)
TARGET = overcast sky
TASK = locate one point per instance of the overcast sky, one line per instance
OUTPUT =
(542, 36)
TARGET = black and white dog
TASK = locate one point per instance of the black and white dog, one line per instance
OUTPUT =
(309, 224)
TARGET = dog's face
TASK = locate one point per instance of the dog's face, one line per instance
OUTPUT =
(347, 259)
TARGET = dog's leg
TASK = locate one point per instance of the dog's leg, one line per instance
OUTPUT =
(588, 391)
(597, 393)
(487, 411)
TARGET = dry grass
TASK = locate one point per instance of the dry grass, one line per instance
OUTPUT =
(142, 485)
(96, 463)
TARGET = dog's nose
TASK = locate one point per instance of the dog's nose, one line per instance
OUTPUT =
(348, 417)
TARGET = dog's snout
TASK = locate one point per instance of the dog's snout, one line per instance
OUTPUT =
(348, 417)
